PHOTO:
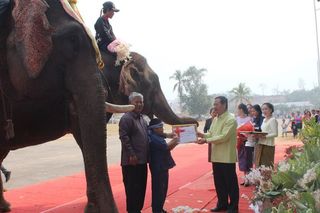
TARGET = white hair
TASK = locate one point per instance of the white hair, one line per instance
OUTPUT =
(134, 95)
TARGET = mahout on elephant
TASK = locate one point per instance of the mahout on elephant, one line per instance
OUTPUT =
(51, 85)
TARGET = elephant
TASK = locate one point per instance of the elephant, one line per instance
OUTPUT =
(51, 85)
(137, 76)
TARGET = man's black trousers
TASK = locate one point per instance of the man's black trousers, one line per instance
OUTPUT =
(135, 182)
(226, 184)
(159, 189)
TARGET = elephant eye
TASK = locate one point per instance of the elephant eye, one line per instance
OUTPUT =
(134, 74)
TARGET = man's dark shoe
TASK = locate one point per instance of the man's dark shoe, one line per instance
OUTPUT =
(232, 211)
(7, 175)
(219, 209)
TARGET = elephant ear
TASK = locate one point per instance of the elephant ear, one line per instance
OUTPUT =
(32, 34)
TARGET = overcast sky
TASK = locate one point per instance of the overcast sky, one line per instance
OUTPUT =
(258, 42)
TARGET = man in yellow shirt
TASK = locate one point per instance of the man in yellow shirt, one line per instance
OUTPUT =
(222, 135)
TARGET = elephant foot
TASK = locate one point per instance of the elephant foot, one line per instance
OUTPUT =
(91, 208)
(5, 206)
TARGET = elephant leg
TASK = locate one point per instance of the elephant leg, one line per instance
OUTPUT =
(4, 205)
(89, 130)
(77, 136)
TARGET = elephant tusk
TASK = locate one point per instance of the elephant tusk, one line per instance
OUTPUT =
(113, 108)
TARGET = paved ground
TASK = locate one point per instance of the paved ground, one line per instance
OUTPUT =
(51, 160)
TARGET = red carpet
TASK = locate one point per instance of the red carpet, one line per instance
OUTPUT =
(190, 185)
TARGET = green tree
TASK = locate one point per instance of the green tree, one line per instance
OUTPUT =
(179, 77)
(195, 97)
(240, 94)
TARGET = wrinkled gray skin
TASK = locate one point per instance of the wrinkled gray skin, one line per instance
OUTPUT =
(67, 96)
(145, 81)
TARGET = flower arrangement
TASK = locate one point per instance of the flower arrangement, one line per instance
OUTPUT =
(294, 185)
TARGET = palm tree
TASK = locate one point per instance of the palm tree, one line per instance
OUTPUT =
(179, 77)
(179, 85)
(241, 94)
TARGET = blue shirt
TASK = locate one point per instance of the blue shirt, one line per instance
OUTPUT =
(160, 156)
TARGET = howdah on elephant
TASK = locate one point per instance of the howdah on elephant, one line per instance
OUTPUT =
(51, 85)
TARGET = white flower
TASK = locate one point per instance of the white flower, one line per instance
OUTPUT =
(308, 177)
(187, 209)
(291, 195)
(123, 52)
(245, 196)
(283, 166)
(257, 207)
(257, 175)
(254, 176)
(316, 196)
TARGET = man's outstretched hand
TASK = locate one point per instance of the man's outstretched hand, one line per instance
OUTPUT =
(201, 141)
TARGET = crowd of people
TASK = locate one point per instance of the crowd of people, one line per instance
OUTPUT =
(256, 129)
(295, 121)
(248, 137)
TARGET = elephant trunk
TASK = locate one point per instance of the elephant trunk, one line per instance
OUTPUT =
(164, 112)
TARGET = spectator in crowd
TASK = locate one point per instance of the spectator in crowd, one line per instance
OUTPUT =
(257, 117)
(209, 121)
(307, 116)
(284, 127)
(249, 107)
(317, 116)
(298, 121)
(266, 146)
(222, 135)
(206, 128)
(314, 115)
(294, 128)
(257, 122)
(134, 154)
(160, 163)
(245, 150)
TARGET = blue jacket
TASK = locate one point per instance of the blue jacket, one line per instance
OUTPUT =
(160, 156)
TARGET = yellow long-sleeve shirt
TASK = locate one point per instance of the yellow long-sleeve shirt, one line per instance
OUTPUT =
(223, 137)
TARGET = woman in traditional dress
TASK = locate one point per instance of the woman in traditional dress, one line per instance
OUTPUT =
(244, 152)
(266, 147)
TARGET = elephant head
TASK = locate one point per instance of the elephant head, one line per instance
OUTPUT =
(138, 76)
